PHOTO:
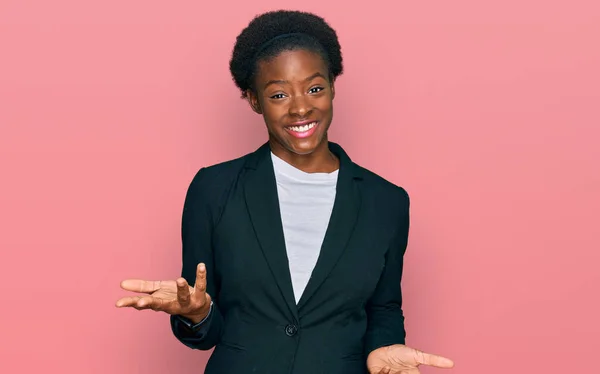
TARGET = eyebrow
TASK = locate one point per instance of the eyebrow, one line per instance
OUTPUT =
(280, 81)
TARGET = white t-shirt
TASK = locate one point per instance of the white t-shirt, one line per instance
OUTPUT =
(305, 202)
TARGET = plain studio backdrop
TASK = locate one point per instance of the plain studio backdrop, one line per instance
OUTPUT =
(486, 112)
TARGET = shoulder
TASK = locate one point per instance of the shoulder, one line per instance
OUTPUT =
(380, 189)
(219, 173)
(384, 202)
(210, 188)
(211, 182)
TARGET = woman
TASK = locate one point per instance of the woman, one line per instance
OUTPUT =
(295, 251)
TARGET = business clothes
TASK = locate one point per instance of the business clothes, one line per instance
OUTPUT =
(352, 302)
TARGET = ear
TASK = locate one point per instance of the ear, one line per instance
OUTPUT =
(332, 86)
(253, 101)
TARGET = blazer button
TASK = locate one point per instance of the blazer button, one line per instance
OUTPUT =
(291, 330)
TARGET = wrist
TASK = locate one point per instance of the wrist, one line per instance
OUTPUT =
(196, 318)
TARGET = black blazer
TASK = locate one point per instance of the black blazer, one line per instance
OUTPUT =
(352, 303)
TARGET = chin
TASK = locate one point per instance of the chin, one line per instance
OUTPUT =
(302, 152)
(304, 147)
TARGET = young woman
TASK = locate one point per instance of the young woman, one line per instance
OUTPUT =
(295, 251)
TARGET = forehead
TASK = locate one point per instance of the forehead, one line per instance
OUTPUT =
(291, 65)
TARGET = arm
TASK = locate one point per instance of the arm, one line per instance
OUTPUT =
(384, 309)
(196, 232)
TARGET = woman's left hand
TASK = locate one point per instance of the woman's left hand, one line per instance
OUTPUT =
(400, 359)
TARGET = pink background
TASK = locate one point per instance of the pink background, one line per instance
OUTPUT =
(486, 112)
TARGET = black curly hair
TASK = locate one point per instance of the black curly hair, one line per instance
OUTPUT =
(271, 33)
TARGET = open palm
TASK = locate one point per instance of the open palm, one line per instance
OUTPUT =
(169, 296)
(161, 295)
(400, 359)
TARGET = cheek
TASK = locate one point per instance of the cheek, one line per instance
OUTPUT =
(273, 114)
(325, 105)
(324, 101)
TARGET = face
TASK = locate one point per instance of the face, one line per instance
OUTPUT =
(294, 94)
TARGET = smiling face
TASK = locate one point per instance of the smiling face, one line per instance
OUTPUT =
(294, 93)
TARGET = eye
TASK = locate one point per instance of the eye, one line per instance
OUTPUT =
(277, 96)
(316, 89)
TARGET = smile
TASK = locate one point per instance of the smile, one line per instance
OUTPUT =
(302, 131)
(304, 128)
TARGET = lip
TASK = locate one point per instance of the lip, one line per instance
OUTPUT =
(302, 123)
(305, 134)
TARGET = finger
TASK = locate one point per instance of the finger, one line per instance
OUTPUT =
(200, 285)
(142, 302)
(140, 285)
(434, 360)
(183, 292)
(149, 302)
(127, 301)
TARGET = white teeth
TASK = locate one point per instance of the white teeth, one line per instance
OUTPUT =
(303, 128)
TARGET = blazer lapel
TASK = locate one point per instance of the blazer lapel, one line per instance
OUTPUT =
(341, 224)
(260, 189)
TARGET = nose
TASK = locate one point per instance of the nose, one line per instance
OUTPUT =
(299, 106)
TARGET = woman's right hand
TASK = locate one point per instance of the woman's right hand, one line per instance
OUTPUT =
(170, 296)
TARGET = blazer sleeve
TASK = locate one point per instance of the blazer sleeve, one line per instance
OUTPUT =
(384, 309)
(196, 233)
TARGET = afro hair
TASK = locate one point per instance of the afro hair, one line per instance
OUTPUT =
(271, 33)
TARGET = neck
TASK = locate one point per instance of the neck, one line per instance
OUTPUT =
(321, 160)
